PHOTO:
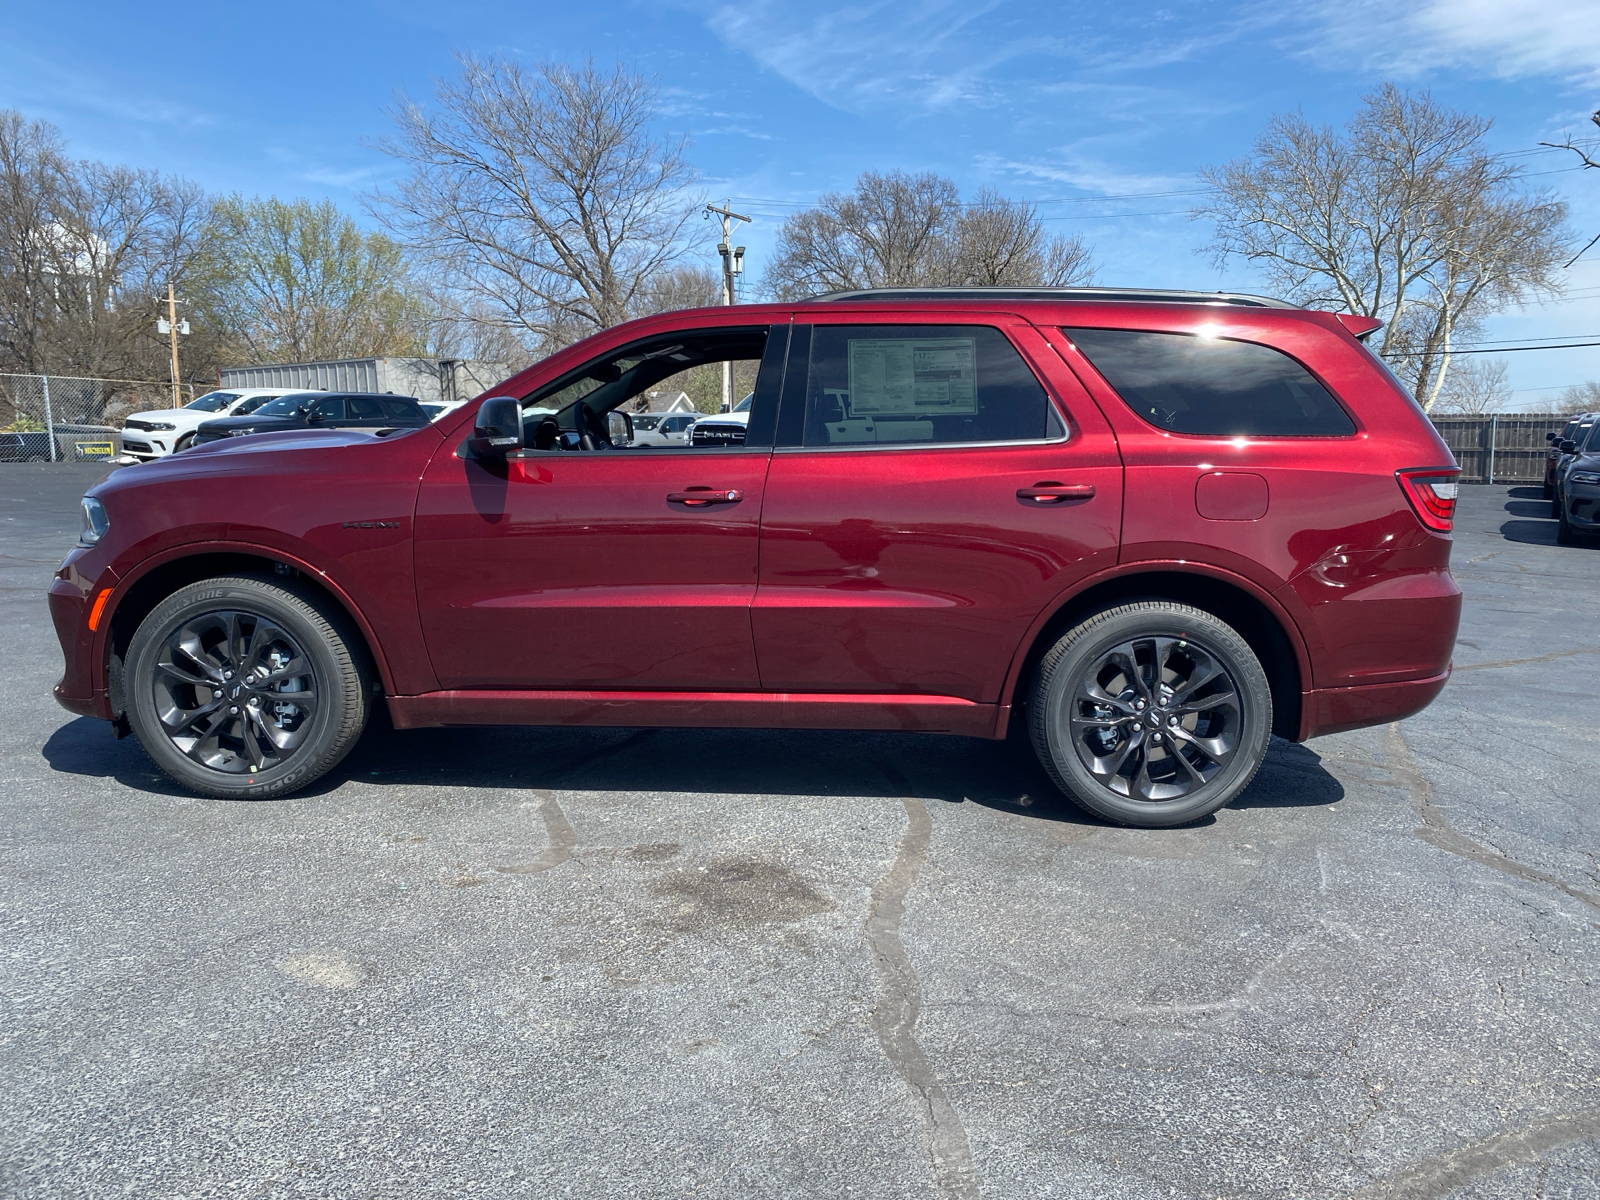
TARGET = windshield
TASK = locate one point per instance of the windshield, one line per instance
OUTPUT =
(213, 401)
(284, 406)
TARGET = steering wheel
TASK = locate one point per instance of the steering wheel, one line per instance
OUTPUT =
(592, 434)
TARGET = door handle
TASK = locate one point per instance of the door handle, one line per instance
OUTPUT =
(700, 497)
(1051, 492)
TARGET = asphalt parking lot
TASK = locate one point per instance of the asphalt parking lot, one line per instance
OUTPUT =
(601, 963)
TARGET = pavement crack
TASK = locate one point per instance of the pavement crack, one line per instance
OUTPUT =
(1517, 662)
(1437, 831)
(561, 839)
(900, 1003)
(1442, 1174)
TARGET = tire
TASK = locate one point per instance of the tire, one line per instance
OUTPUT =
(1549, 491)
(1103, 752)
(1564, 533)
(199, 649)
(1555, 509)
(183, 443)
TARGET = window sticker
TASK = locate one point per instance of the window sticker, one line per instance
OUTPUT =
(894, 377)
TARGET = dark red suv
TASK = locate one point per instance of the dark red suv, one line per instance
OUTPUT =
(1155, 527)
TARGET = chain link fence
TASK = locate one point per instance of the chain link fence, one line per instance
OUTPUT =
(67, 418)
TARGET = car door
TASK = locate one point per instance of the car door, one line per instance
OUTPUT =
(938, 482)
(622, 569)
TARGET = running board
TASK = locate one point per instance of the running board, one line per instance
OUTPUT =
(707, 710)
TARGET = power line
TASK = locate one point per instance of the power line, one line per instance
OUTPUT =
(1496, 350)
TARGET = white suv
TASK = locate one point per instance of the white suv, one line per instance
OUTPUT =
(164, 431)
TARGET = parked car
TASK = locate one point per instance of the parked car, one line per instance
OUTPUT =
(1153, 527)
(326, 410)
(29, 447)
(163, 431)
(669, 430)
(722, 429)
(1566, 449)
(1553, 458)
(1576, 506)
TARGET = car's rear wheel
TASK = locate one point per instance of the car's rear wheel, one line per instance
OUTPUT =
(241, 688)
(1151, 714)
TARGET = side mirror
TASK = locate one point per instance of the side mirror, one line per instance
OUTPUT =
(497, 431)
(619, 428)
(1569, 446)
(1550, 437)
(311, 415)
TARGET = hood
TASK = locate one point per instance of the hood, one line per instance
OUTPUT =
(276, 437)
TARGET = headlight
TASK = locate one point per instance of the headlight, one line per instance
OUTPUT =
(95, 521)
(1585, 477)
(153, 426)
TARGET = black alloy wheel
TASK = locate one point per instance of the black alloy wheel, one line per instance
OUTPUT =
(1151, 714)
(237, 687)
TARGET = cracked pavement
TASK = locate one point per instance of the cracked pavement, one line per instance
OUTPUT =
(732, 964)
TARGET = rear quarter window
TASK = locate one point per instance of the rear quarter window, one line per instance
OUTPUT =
(1189, 384)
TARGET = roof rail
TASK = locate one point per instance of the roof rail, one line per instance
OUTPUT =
(1093, 294)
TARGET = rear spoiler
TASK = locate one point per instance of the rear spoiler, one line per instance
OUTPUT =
(1361, 327)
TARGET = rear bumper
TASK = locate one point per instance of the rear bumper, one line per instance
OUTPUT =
(1334, 710)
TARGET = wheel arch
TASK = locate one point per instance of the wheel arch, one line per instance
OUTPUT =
(159, 577)
(1270, 632)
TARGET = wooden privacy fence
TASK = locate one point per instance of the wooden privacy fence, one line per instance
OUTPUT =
(1500, 447)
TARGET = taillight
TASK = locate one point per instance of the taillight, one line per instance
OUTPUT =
(1432, 492)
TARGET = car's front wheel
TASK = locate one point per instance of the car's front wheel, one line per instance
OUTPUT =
(1152, 714)
(1564, 532)
(241, 688)
(183, 443)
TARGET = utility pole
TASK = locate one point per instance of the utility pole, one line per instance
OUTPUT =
(732, 266)
(171, 325)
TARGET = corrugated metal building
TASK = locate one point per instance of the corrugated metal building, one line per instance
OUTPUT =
(429, 380)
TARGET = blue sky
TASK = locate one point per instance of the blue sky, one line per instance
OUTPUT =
(1102, 112)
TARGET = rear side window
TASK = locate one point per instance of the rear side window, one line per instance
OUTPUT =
(910, 384)
(332, 409)
(365, 408)
(1189, 384)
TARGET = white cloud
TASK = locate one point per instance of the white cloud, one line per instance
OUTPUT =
(1504, 39)
(925, 52)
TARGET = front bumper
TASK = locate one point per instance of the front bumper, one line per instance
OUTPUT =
(1583, 505)
(77, 584)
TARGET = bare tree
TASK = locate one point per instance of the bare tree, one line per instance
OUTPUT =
(1476, 386)
(297, 282)
(1581, 397)
(1000, 242)
(903, 230)
(84, 249)
(1588, 162)
(541, 195)
(1405, 216)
